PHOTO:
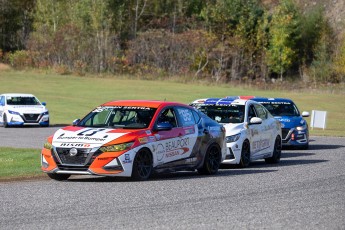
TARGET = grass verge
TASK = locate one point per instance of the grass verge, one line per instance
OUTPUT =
(19, 164)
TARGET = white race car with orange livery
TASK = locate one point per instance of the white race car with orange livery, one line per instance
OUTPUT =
(135, 138)
(251, 131)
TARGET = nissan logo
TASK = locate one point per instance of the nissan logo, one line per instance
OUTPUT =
(73, 152)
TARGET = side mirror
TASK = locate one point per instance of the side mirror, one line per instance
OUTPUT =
(44, 104)
(305, 114)
(163, 126)
(255, 121)
(75, 122)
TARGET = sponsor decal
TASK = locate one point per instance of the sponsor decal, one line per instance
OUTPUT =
(158, 137)
(261, 144)
(143, 140)
(127, 159)
(284, 120)
(189, 130)
(254, 132)
(159, 150)
(76, 145)
(148, 132)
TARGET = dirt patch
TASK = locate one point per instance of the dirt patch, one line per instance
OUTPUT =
(4, 67)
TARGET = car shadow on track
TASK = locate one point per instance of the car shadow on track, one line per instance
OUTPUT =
(183, 175)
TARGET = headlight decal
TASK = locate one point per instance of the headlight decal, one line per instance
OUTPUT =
(117, 147)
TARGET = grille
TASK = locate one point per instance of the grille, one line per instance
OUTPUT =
(31, 117)
(79, 159)
(285, 133)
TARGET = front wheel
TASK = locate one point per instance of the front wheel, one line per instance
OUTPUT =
(5, 121)
(142, 165)
(212, 161)
(245, 154)
(59, 177)
(277, 151)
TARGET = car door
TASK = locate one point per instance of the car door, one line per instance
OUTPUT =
(265, 131)
(254, 131)
(170, 143)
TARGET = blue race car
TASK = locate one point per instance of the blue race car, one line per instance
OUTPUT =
(294, 127)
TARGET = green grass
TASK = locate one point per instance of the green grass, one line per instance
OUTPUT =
(69, 97)
(19, 163)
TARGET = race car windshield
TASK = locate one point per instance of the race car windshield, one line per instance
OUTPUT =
(22, 101)
(224, 113)
(126, 117)
(281, 109)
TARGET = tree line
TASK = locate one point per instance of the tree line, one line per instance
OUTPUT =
(217, 40)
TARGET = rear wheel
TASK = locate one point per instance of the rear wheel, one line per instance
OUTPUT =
(277, 151)
(245, 154)
(212, 161)
(142, 165)
(58, 177)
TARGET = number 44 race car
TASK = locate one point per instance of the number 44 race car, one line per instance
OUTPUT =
(134, 139)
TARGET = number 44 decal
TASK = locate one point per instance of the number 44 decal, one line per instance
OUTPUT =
(90, 132)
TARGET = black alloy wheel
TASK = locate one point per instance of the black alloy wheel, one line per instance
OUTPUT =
(212, 161)
(277, 151)
(245, 154)
(142, 166)
(5, 121)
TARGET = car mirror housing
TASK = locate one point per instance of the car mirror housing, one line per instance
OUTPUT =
(255, 121)
(44, 104)
(163, 126)
(75, 122)
(305, 114)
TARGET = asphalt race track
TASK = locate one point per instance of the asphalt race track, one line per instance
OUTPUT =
(306, 190)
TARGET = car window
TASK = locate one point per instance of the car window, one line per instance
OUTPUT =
(119, 117)
(224, 113)
(282, 109)
(196, 116)
(168, 116)
(251, 112)
(2, 101)
(186, 116)
(22, 100)
(261, 112)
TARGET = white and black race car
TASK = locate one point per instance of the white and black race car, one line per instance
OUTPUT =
(251, 131)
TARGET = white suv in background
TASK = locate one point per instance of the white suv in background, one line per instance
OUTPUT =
(22, 109)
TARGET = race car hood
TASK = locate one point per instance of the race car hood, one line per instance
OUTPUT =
(27, 108)
(86, 137)
(289, 122)
(232, 129)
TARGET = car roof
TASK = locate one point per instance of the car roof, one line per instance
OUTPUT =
(17, 95)
(142, 103)
(219, 101)
(276, 99)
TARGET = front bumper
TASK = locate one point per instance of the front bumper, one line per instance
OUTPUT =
(87, 162)
(27, 119)
(233, 153)
(293, 137)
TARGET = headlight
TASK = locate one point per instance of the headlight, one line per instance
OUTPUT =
(45, 113)
(13, 112)
(116, 148)
(300, 128)
(233, 138)
(48, 145)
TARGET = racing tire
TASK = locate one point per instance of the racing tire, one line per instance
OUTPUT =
(277, 152)
(58, 177)
(245, 155)
(5, 121)
(212, 161)
(142, 165)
